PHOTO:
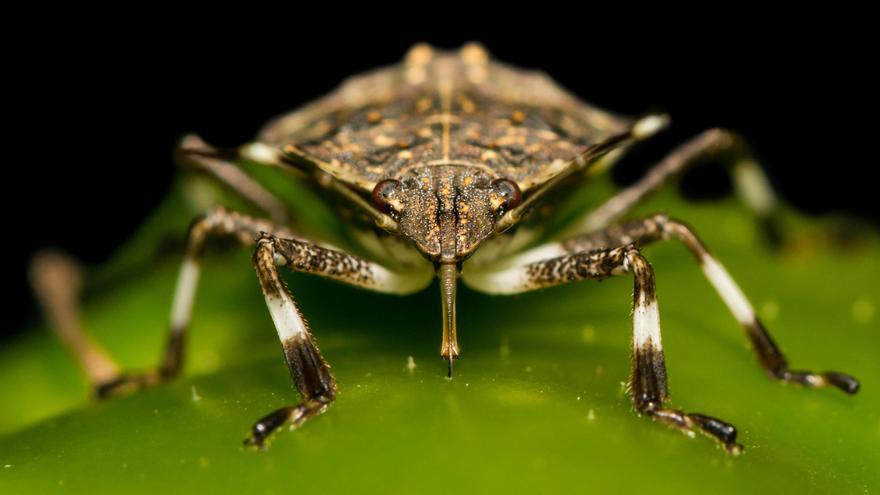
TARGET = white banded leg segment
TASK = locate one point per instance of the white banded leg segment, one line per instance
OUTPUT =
(769, 354)
(646, 322)
(727, 288)
(288, 321)
(754, 188)
(184, 294)
(181, 313)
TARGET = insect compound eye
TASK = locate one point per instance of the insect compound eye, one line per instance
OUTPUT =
(385, 195)
(506, 194)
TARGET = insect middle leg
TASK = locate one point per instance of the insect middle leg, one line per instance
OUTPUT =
(274, 246)
(217, 222)
(648, 385)
(659, 228)
(589, 256)
(749, 179)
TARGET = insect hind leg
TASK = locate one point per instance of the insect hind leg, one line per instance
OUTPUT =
(56, 280)
(749, 180)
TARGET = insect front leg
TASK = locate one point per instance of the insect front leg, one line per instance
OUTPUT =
(309, 370)
(749, 180)
(662, 228)
(648, 383)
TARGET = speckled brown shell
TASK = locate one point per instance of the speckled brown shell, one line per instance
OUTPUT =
(443, 108)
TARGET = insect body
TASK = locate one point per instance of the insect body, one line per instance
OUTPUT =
(444, 157)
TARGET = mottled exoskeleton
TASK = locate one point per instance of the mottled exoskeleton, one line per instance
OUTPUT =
(444, 156)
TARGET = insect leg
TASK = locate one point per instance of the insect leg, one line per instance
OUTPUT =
(217, 222)
(769, 354)
(648, 384)
(309, 370)
(56, 280)
(749, 180)
(660, 227)
(194, 153)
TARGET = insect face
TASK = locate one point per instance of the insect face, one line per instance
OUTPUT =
(446, 211)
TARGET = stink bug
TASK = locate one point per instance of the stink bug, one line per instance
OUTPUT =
(443, 158)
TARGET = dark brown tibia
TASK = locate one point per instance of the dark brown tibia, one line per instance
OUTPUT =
(660, 227)
(649, 393)
(309, 371)
(175, 351)
(648, 375)
(311, 375)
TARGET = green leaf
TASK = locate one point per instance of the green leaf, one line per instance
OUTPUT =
(537, 403)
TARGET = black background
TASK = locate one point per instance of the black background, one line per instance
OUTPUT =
(101, 102)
